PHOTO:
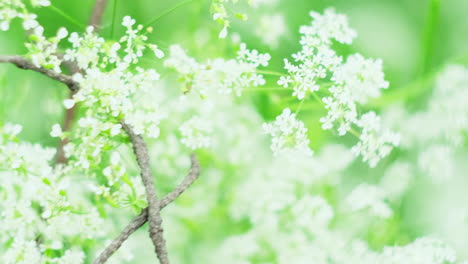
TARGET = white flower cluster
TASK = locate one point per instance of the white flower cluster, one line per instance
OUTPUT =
(435, 134)
(196, 133)
(218, 76)
(36, 212)
(43, 51)
(375, 141)
(271, 28)
(110, 89)
(221, 15)
(291, 225)
(349, 83)
(371, 197)
(446, 116)
(110, 82)
(12, 9)
(317, 58)
(423, 250)
(288, 134)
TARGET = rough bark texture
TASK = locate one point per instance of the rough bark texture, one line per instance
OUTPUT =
(156, 230)
(142, 218)
(25, 64)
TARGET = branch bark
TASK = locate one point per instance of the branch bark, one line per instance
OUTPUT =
(25, 64)
(156, 230)
(142, 218)
(97, 14)
(95, 22)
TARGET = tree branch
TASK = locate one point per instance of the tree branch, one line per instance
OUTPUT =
(141, 153)
(156, 230)
(98, 12)
(95, 22)
(25, 64)
(142, 218)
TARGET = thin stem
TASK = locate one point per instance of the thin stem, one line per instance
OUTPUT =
(355, 133)
(270, 73)
(317, 98)
(300, 106)
(69, 18)
(25, 64)
(114, 14)
(429, 36)
(266, 89)
(167, 12)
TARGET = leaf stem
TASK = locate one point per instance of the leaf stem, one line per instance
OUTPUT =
(167, 12)
(69, 18)
(114, 14)
(270, 73)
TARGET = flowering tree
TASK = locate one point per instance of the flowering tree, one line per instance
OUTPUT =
(262, 185)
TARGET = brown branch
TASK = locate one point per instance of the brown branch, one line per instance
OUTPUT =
(142, 218)
(98, 12)
(25, 64)
(95, 21)
(156, 230)
(141, 153)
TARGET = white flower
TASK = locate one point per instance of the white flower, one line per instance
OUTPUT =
(115, 130)
(157, 52)
(196, 133)
(329, 26)
(367, 196)
(375, 142)
(30, 21)
(362, 77)
(312, 211)
(107, 171)
(437, 161)
(223, 33)
(271, 28)
(424, 250)
(40, 2)
(288, 134)
(56, 131)
(219, 76)
(115, 158)
(128, 21)
(69, 103)
(62, 33)
(397, 179)
(12, 129)
(4, 25)
(285, 81)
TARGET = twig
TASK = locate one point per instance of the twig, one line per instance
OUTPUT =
(156, 230)
(142, 218)
(25, 64)
(98, 12)
(95, 22)
(67, 124)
